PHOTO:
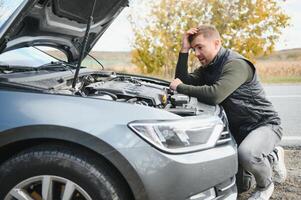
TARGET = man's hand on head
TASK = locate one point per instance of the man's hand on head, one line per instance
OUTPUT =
(185, 41)
(174, 84)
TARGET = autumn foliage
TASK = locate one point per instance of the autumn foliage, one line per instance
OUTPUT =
(250, 27)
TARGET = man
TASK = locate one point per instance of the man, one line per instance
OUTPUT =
(229, 79)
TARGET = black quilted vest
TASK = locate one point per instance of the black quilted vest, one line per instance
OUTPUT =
(247, 108)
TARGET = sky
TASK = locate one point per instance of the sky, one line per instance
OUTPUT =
(119, 35)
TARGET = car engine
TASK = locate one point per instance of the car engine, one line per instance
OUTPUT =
(108, 85)
(129, 90)
(143, 91)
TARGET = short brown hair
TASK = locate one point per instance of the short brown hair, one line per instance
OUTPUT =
(208, 31)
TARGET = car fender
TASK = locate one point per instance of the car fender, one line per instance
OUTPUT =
(65, 134)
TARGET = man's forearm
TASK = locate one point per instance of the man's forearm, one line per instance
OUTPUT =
(206, 94)
(234, 74)
(181, 68)
(182, 71)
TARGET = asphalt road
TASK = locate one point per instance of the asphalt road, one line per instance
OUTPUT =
(286, 99)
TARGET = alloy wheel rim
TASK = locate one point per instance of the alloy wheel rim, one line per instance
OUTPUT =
(47, 187)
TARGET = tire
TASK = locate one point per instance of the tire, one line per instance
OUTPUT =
(57, 169)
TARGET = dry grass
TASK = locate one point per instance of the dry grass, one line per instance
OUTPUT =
(279, 71)
(280, 67)
(269, 71)
(125, 69)
(135, 70)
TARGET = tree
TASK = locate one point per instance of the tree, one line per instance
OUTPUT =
(250, 27)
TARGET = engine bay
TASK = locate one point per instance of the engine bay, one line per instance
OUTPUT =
(129, 90)
(142, 91)
(111, 86)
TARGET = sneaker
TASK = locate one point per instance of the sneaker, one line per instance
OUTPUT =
(280, 172)
(263, 194)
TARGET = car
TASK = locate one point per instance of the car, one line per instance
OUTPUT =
(71, 132)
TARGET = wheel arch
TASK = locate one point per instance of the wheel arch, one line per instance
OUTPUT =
(15, 140)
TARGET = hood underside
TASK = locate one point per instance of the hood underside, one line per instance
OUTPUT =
(60, 24)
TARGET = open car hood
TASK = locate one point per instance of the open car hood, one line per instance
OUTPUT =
(58, 23)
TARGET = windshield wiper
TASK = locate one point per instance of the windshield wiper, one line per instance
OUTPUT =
(53, 66)
(15, 68)
(57, 66)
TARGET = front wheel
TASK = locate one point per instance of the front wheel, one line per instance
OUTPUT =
(55, 172)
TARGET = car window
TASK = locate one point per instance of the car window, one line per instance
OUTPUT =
(7, 7)
(54, 52)
(89, 62)
(27, 56)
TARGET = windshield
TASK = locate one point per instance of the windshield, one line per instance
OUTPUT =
(27, 56)
(7, 8)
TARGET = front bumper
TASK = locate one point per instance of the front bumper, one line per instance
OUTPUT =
(184, 176)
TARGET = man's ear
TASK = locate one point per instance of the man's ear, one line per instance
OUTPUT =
(217, 43)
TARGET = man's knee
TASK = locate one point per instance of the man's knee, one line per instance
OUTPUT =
(248, 157)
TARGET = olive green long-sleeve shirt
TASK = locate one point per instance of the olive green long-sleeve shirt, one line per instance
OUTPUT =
(234, 74)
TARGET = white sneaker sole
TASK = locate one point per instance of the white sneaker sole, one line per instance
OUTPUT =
(263, 195)
(280, 177)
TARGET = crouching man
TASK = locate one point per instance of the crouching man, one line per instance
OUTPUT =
(227, 78)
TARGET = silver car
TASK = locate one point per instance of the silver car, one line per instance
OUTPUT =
(69, 132)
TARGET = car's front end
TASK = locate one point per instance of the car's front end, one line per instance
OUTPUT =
(189, 158)
(101, 134)
(161, 155)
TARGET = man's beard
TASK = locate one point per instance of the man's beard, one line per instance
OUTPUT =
(203, 62)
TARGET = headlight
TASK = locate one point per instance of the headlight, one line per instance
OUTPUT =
(180, 136)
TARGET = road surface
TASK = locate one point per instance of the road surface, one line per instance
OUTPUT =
(286, 99)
